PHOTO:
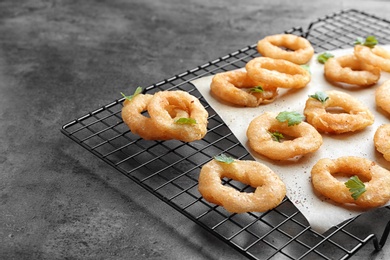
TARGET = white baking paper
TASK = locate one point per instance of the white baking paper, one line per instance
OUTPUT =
(321, 213)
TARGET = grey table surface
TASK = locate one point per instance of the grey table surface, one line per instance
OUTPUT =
(62, 59)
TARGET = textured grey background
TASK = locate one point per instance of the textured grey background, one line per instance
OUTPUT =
(61, 59)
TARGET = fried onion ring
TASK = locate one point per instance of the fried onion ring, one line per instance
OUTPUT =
(274, 47)
(382, 96)
(377, 56)
(277, 73)
(356, 117)
(375, 178)
(381, 140)
(348, 69)
(234, 87)
(138, 123)
(162, 106)
(306, 139)
(269, 193)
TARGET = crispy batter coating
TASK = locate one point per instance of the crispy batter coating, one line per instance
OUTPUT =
(306, 139)
(356, 117)
(382, 140)
(235, 87)
(269, 193)
(167, 106)
(277, 73)
(375, 178)
(139, 124)
(299, 50)
(382, 96)
(350, 70)
(377, 56)
(164, 108)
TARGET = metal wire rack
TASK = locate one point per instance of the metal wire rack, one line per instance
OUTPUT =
(169, 169)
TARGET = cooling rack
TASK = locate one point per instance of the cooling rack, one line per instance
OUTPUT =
(170, 169)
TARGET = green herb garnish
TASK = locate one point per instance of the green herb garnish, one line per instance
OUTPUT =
(323, 57)
(257, 89)
(276, 136)
(370, 41)
(224, 159)
(185, 121)
(320, 96)
(355, 186)
(306, 67)
(137, 91)
(292, 118)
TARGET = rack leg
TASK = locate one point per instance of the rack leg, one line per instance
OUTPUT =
(378, 245)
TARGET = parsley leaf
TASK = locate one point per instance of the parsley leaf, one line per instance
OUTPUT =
(359, 40)
(292, 118)
(185, 121)
(323, 57)
(320, 96)
(136, 92)
(276, 136)
(355, 186)
(224, 159)
(257, 89)
(370, 41)
(306, 67)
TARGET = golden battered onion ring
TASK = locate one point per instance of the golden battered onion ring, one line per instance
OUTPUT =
(273, 47)
(375, 178)
(381, 140)
(269, 193)
(139, 124)
(160, 110)
(382, 96)
(277, 73)
(377, 56)
(356, 117)
(348, 69)
(306, 138)
(234, 87)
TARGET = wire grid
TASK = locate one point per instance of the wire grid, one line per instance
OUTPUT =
(170, 169)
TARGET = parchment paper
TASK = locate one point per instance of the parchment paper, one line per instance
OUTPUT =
(321, 213)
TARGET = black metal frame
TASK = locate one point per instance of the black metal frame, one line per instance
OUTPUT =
(169, 169)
